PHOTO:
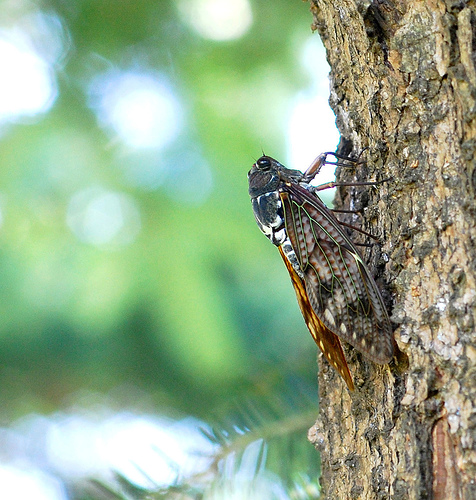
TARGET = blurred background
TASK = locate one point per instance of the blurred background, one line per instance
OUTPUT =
(150, 342)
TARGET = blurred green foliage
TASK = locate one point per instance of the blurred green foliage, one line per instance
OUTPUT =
(135, 271)
(195, 307)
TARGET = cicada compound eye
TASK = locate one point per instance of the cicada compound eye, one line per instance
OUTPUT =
(264, 163)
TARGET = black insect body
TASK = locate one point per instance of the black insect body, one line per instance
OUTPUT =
(336, 293)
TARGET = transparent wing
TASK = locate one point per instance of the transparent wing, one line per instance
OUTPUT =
(340, 289)
(327, 341)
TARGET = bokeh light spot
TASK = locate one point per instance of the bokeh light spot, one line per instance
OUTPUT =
(19, 483)
(216, 19)
(193, 180)
(311, 122)
(147, 450)
(102, 217)
(27, 86)
(140, 108)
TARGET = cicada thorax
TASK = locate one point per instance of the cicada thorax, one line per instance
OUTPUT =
(336, 292)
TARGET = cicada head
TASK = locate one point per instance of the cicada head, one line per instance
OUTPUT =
(264, 177)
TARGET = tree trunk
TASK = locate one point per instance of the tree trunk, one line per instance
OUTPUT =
(403, 85)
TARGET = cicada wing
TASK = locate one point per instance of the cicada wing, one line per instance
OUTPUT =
(338, 285)
(326, 340)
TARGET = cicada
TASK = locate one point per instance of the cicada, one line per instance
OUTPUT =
(336, 292)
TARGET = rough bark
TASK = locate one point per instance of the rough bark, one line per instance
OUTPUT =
(403, 84)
